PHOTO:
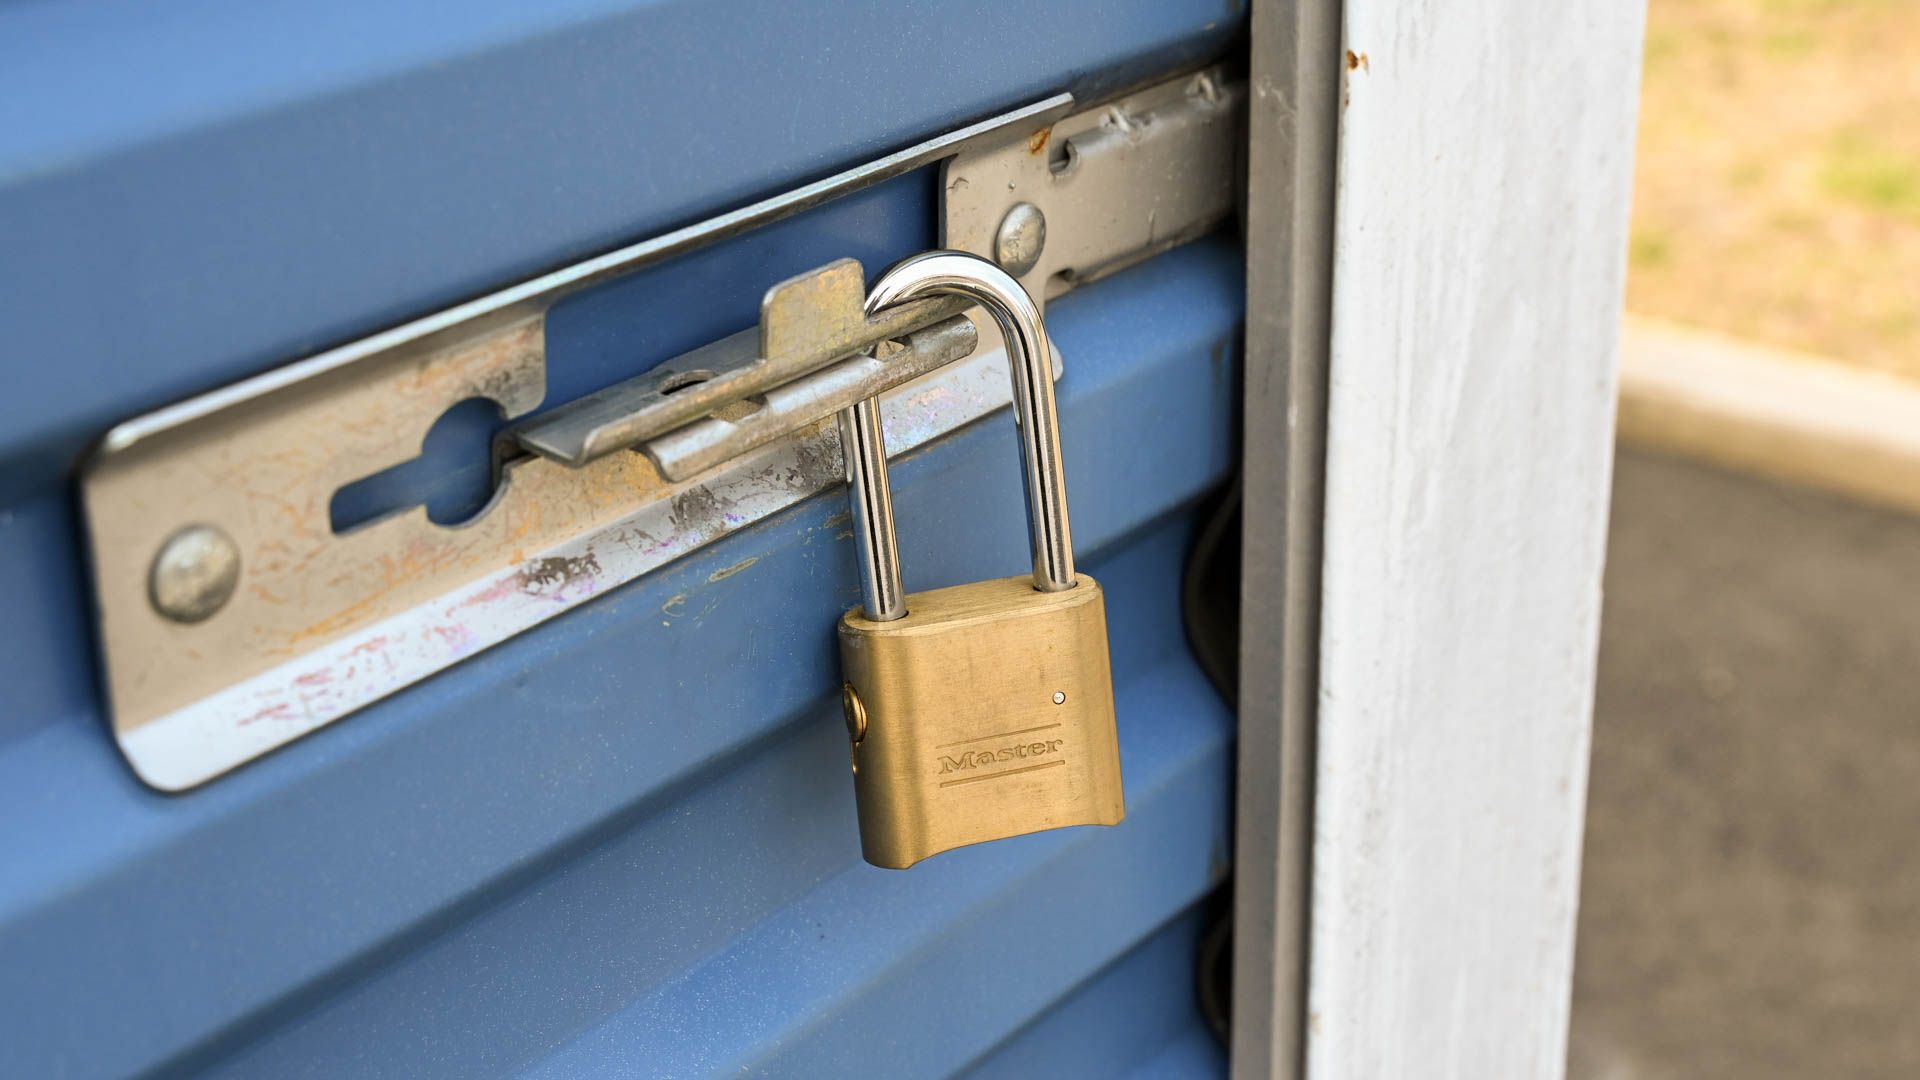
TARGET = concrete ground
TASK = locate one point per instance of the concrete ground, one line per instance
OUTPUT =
(1751, 900)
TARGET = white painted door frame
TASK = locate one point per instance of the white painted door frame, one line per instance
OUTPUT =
(1437, 217)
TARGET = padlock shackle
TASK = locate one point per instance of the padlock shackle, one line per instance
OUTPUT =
(870, 499)
(1030, 361)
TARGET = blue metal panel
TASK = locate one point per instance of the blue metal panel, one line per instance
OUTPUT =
(1129, 1020)
(646, 787)
(732, 928)
(622, 842)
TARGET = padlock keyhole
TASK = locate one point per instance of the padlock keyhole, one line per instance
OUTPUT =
(453, 475)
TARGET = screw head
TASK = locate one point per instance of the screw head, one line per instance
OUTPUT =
(1022, 236)
(855, 712)
(194, 574)
(1059, 697)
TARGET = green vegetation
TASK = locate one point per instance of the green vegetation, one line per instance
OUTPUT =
(1648, 248)
(1872, 175)
(1777, 176)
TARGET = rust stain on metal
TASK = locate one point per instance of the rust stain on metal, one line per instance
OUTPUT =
(542, 574)
(1358, 62)
(344, 619)
(1037, 142)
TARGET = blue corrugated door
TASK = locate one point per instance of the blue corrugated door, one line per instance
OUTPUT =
(622, 843)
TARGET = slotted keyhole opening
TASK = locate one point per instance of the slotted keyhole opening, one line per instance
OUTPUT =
(453, 476)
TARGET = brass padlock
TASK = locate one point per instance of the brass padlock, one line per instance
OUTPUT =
(978, 711)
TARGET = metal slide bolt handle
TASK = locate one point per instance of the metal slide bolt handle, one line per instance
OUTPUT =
(1030, 361)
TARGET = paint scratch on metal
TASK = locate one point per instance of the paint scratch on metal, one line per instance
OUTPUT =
(726, 572)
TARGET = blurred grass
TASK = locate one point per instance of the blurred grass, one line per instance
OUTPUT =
(1777, 185)
(1863, 171)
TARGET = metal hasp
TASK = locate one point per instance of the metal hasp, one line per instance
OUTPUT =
(740, 393)
(232, 617)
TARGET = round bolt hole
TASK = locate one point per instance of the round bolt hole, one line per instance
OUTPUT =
(1059, 697)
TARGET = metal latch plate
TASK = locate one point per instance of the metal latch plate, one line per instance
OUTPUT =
(233, 619)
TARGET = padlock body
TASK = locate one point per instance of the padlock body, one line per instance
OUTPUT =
(988, 713)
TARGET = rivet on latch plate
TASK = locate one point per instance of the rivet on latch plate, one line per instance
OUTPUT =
(194, 574)
(1022, 236)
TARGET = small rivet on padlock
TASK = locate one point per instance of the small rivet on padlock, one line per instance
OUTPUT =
(1059, 697)
(194, 574)
(1022, 236)
(855, 712)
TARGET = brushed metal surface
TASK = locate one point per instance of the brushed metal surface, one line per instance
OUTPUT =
(965, 740)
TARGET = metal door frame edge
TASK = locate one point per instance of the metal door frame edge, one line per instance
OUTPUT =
(1292, 124)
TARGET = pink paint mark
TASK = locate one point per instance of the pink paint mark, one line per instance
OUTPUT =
(458, 640)
(498, 590)
(369, 646)
(279, 711)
